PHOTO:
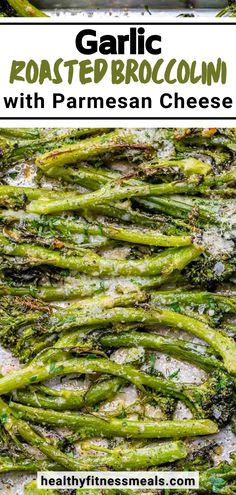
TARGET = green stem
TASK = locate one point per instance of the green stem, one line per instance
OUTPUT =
(83, 314)
(195, 354)
(14, 149)
(204, 211)
(188, 166)
(84, 287)
(90, 426)
(168, 261)
(33, 374)
(88, 176)
(30, 436)
(208, 300)
(123, 189)
(57, 227)
(62, 400)
(127, 459)
(56, 293)
(148, 237)
(17, 196)
(88, 149)
(22, 133)
(110, 193)
(217, 339)
(11, 465)
(24, 8)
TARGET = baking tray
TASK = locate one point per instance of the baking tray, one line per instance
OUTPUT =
(129, 7)
(158, 5)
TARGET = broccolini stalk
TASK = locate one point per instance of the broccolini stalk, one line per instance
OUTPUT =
(217, 339)
(18, 321)
(132, 235)
(84, 287)
(124, 189)
(14, 149)
(67, 229)
(218, 140)
(228, 177)
(49, 135)
(62, 400)
(97, 178)
(10, 422)
(93, 178)
(23, 8)
(91, 263)
(60, 403)
(123, 211)
(22, 133)
(107, 302)
(83, 315)
(85, 176)
(200, 399)
(112, 192)
(91, 149)
(197, 354)
(17, 196)
(206, 301)
(127, 459)
(202, 211)
(22, 464)
(57, 293)
(229, 11)
(52, 162)
(90, 425)
(36, 373)
(187, 166)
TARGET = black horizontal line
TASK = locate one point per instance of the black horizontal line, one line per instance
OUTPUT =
(49, 23)
(117, 118)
